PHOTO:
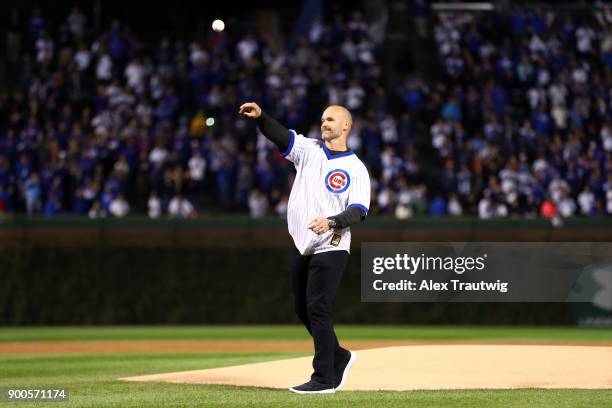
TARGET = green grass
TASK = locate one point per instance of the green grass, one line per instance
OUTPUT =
(92, 379)
(274, 333)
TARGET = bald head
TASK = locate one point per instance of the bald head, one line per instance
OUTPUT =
(343, 112)
(336, 123)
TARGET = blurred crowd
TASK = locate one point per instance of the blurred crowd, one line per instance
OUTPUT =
(522, 121)
(104, 124)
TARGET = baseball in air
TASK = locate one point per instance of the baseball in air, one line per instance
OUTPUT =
(218, 25)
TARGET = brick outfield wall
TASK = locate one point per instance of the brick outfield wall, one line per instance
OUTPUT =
(134, 271)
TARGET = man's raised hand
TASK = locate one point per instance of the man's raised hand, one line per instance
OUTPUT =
(250, 110)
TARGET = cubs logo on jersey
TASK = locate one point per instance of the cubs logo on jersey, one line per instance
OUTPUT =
(337, 181)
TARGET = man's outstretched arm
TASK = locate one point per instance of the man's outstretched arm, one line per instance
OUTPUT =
(270, 128)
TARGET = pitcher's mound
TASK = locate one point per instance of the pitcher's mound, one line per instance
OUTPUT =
(429, 367)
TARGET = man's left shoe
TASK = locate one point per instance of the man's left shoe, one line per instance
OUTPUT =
(313, 387)
(344, 369)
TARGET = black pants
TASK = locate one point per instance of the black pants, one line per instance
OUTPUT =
(314, 280)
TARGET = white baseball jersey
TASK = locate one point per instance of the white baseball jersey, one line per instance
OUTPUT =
(325, 185)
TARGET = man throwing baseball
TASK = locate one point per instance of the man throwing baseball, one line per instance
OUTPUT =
(331, 191)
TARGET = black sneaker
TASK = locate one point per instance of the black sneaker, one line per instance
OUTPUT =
(313, 387)
(343, 370)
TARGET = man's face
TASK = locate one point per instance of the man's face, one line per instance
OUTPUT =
(332, 124)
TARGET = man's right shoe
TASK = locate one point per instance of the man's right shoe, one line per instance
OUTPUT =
(313, 387)
(343, 370)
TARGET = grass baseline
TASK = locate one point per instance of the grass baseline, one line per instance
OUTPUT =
(296, 332)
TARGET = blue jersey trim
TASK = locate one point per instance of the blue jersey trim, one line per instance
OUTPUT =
(336, 156)
(361, 207)
(291, 142)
